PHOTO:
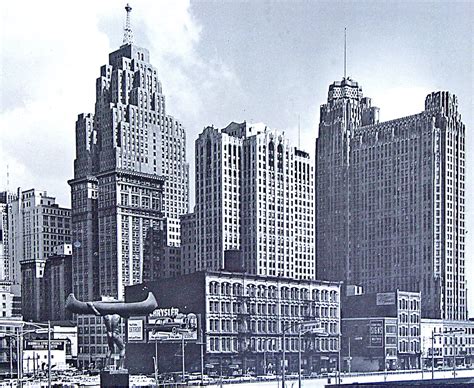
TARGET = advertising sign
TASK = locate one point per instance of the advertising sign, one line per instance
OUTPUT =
(135, 330)
(43, 345)
(170, 325)
(385, 298)
(376, 333)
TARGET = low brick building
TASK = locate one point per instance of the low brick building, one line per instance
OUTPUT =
(381, 331)
(243, 318)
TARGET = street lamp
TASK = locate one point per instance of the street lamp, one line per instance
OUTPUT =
(40, 329)
(452, 333)
(18, 357)
(453, 336)
(156, 361)
(349, 357)
(310, 326)
(201, 343)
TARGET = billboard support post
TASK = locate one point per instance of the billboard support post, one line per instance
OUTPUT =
(202, 357)
(182, 351)
(156, 362)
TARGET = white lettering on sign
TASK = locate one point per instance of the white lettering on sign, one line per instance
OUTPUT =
(168, 312)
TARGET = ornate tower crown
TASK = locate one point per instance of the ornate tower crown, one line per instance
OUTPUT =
(127, 30)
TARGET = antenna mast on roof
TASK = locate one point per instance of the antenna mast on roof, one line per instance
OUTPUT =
(299, 133)
(345, 51)
(127, 30)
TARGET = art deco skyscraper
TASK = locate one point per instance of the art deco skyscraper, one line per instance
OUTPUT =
(390, 199)
(345, 110)
(130, 177)
(129, 188)
(254, 202)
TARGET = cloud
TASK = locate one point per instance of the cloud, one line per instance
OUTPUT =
(43, 80)
(51, 56)
(400, 101)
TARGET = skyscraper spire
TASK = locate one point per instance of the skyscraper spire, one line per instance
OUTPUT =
(299, 132)
(345, 51)
(127, 30)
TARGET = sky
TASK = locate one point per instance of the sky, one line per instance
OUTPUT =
(223, 61)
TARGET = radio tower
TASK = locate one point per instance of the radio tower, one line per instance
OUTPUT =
(345, 51)
(127, 30)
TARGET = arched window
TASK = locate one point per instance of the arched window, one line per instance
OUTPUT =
(271, 154)
(280, 157)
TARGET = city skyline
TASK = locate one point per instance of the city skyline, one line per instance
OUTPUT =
(226, 90)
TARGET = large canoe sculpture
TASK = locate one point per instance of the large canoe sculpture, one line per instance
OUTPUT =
(123, 309)
(112, 311)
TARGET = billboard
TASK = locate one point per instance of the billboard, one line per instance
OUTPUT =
(135, 330)
(376, 333)
(171, 325)
(43, 345)
(385, 298)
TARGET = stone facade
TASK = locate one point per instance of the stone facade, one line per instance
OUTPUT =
(390, 199)
(130, 186)
(254, 197)
(243, 318)
(453, 342)
(36, 224)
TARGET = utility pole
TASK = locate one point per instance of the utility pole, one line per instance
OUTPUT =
(49, 354)
(11, 357)
(284, 360)
(432, 354)
(202, 356)
(350, 360)
(220, 380)
(182, 350)
(156, 361)
(299, 356)
(19, 356)
(339, 359)
(454, 355)
(265, 357)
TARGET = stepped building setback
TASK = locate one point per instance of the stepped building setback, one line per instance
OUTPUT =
(130, 183)
(254, 203)
(390, 199)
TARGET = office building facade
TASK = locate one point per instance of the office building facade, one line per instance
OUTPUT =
(254, 202)
(390, 199)
(188, 243)
(10, 300)
(5, 199)
(57, 284)
(130, 175)
(130, 184)
(36, 224)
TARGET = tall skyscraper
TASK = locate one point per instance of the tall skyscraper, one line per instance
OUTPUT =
(36, 224)
(254, 202)
(188, 244)
(130, 181)
(345, 110)
(390, 199)
(5, 199)
(57, 284)
(130, 174)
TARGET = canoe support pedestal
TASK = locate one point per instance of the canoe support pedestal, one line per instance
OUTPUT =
(114, 378)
